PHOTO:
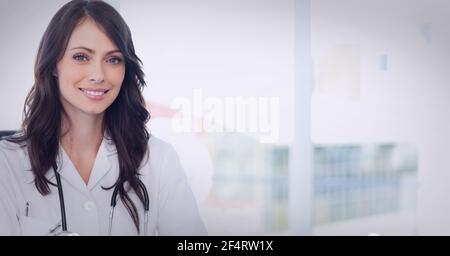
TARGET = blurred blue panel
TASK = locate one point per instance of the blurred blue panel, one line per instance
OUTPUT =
(426, 32)
(383, 62)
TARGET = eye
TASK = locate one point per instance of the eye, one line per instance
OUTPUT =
(115, 60)
(80, 57)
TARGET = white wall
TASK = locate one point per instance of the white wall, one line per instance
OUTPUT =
(22, 24)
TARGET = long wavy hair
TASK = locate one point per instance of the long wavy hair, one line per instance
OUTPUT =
(124, 120)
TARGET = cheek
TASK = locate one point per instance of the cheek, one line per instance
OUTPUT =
(69, 75)
(116, 76)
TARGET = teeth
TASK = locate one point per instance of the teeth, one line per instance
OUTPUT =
(94, 93)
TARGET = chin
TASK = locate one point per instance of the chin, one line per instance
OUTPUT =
(94, 111)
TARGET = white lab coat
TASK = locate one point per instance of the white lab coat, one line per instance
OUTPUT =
(173, 209)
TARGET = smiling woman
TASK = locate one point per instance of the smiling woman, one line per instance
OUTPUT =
(90, 77)
(85, 130)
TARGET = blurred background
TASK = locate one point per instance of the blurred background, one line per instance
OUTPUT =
(291, 117)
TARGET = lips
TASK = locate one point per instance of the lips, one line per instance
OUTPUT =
(94, 91)
(94, 94)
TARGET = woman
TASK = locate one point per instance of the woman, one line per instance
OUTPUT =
(84, 147)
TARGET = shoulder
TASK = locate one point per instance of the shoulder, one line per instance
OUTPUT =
(162, 159)
(8, 147)
(10, 150)
(156, 142)
(160, 149)
(13, 160)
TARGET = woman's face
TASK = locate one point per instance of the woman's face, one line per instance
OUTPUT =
(91, 72)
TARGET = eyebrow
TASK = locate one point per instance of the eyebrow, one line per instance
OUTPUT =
(92, 51)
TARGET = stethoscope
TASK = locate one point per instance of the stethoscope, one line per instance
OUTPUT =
(65, 232)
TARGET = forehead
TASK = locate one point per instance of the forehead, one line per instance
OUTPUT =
(89, 34)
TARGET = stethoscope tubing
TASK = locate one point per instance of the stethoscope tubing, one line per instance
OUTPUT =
(146, 204)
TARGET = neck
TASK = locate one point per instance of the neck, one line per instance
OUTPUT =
(82, 133)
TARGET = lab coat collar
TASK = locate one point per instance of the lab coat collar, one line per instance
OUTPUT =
(106, 154)
(102, 165)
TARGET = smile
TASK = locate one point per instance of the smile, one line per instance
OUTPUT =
(95, 94)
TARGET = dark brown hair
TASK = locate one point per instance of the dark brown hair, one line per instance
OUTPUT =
(124, 121)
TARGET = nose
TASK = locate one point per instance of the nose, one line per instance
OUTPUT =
(97, 81)
(97, 75)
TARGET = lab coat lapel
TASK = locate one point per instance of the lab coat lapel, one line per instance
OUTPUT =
(68, 172)
(28, 173)
(103, 162)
